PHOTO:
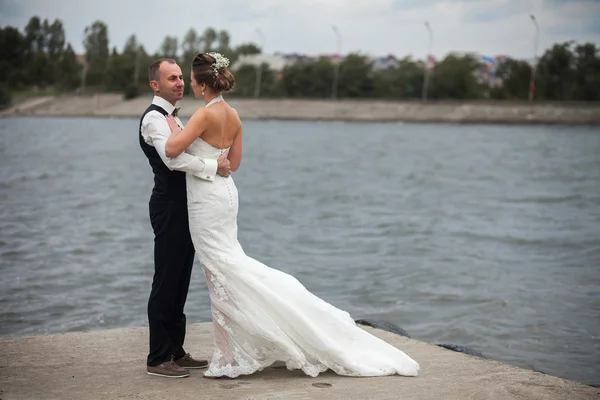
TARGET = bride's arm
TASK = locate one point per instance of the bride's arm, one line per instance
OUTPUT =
(181, 139)
(235, 152)
(155, 131)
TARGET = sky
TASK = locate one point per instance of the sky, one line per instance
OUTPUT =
(370, 27)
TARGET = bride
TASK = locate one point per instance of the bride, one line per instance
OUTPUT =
(260, 315)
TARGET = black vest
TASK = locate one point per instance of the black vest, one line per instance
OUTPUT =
(168, 185)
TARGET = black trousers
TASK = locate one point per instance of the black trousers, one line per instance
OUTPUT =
(173, 262)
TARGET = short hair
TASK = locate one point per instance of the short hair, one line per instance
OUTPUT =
(153, 73)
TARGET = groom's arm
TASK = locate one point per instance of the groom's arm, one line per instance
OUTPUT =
(156, 131)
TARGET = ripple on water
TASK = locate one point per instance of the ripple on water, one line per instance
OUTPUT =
(484, 236)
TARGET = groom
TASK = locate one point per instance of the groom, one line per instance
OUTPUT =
(173, 248)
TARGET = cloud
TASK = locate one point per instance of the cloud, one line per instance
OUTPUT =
(563, 20)
(563, 2)
(495, 10)
(12, 8)
(374, 27)
(407, 5)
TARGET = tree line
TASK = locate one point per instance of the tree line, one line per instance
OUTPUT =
(40, 58)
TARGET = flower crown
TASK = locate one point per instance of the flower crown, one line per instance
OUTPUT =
(220, 62)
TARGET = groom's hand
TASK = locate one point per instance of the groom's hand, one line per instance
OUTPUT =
(223, 166)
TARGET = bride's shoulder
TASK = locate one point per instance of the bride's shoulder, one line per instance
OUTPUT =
(201, 112)
(234, 111)
(200, 117)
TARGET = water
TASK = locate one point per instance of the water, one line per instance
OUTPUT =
(484, 236)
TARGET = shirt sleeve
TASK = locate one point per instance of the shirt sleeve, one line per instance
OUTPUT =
(156, 132)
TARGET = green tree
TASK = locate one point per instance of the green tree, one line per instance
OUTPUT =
(34, 37)
(55, 40)
(247, 49)
(223, 40)
(191, 45)
(245, 81)
(308, 79)
(223, 46)
(132, 52)
(95, 43)
(54, 46)
(587, 72)
(454, 78)
(356, 77)
(5, 95)
(556, 73)
(125, 72)
(119, 72)
(515, 75)
(69, 76)
(405, 81)
(12, 55)
(131, 45)
(169, 47)
(208, 40)
(35, 71)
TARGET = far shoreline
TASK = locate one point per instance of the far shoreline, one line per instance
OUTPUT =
(321, 110)
(345, 121)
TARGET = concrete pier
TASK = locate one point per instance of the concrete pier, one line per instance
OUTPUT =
(110, 364)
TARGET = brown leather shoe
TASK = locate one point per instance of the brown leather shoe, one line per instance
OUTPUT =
(168, 369)
(188, 362)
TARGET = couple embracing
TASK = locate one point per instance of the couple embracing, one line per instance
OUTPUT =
(260, 315)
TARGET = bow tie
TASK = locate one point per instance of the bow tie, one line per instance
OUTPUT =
(176, 111)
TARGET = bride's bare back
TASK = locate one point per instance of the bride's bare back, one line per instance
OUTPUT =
(223, 125)
(216, 124)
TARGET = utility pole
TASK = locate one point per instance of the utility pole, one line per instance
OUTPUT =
(259, 66)
(427, 72)
(336, 65)
(535, 62)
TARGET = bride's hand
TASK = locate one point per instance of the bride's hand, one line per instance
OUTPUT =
(173, 124)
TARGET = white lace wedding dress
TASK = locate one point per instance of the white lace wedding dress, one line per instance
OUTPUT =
(262, 315)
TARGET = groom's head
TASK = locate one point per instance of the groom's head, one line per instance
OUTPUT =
(166, 79)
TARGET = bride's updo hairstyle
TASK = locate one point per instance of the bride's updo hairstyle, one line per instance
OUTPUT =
(211, 68)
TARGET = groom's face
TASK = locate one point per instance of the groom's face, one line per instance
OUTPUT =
(170, 83)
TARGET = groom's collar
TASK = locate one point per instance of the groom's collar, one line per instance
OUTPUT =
(162, 103)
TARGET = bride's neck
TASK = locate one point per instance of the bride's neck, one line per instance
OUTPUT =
(211, 97)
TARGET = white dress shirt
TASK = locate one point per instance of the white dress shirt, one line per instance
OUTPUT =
(156, 132)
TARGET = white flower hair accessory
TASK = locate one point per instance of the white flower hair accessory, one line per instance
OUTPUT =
(220, 62)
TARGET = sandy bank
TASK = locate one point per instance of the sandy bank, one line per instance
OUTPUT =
(112, 105)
